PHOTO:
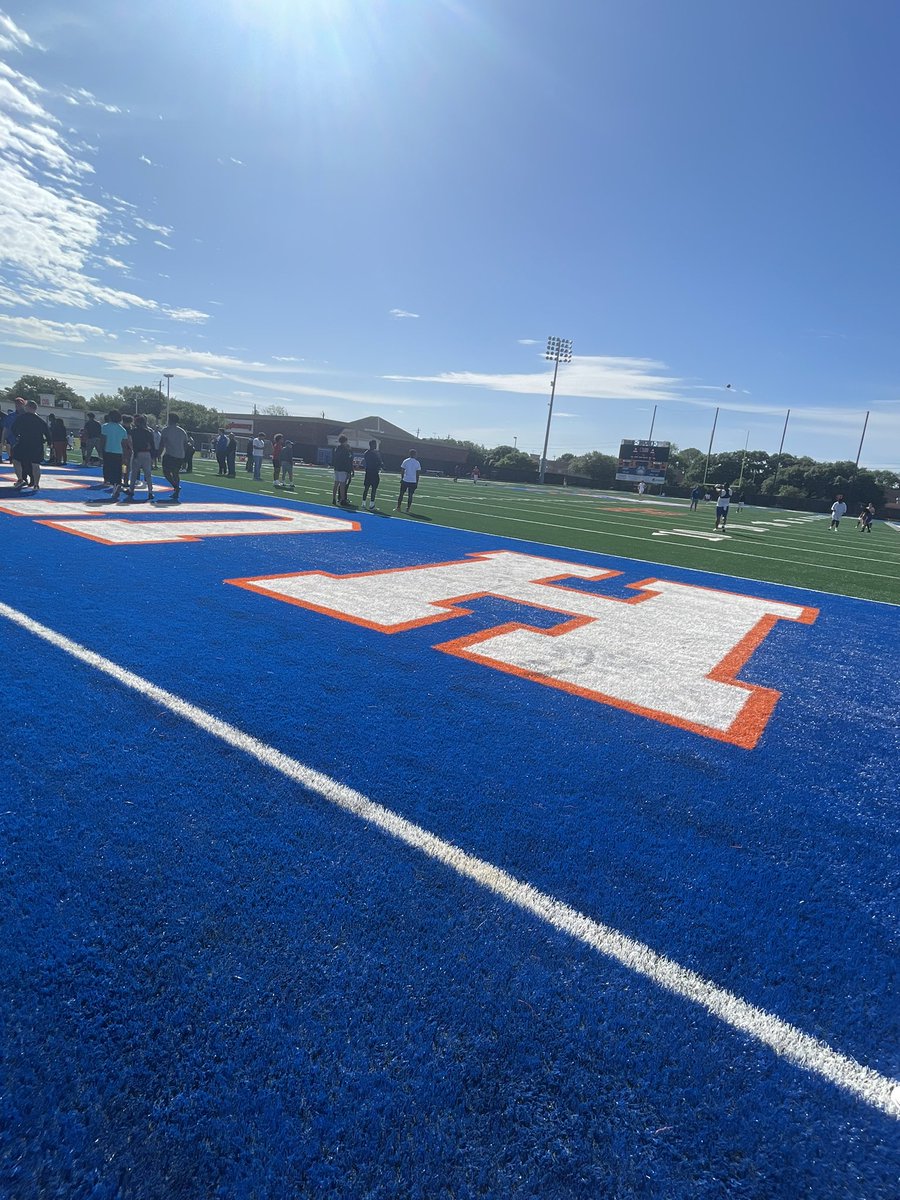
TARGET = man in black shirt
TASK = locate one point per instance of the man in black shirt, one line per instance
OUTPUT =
(31, 433)
(143, 447)
(92, 440)
(343, 465)
(374, 462)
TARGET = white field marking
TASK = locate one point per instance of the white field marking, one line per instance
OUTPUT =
(693, 533)
(786, 1040)
(602, 531)
(633, 537)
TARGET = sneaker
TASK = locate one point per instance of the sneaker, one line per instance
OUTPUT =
(18, 485)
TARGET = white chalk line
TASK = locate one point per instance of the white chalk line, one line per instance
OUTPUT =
(790, 1043)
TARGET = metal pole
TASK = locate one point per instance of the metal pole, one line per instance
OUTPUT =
(652, 423)
(862, 439)
(743, 460)
(549, 419)
(168, 376)
(709, 451)
(780, 448)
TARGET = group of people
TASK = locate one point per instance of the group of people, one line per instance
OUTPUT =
(863, 521)
(373, 465)
(92, 434)
(129, 448)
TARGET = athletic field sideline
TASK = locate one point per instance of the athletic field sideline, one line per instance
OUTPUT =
(773, 544)
(367, 856)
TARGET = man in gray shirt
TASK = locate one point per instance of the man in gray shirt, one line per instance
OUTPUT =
(173, 447)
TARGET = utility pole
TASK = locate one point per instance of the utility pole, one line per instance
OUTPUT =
(168, 377)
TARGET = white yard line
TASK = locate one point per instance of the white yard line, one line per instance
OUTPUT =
(784, 1039)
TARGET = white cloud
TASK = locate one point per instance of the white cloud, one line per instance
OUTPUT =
(165, 245)
(400, 314)
(49, 332)
(55, 236)
(144, 159)
(12, 37)
(529, 342)
(601, 378)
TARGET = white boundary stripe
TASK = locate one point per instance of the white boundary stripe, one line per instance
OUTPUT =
(797, 1047)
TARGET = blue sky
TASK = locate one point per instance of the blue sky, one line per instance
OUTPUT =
(358, 206)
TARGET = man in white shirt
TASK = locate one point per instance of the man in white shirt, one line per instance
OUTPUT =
(723, 500)
(838, 509)
(410, 470)
(259, 445)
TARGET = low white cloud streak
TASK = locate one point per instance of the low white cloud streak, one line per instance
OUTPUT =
(54, 236)
(400, 314)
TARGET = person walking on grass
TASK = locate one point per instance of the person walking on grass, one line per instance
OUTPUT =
(695, 498)
(142, 447)
(864, 522)
(410, 470)
(343, 466)
(723, 500)
(231, 456)
(838, 510)
(373, 464)
(173, 448)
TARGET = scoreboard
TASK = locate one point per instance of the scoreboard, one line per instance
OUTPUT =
(643, 462)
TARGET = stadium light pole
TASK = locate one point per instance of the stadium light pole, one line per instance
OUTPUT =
(862, 439)
(168, 375)
(558, 350)
(780, 448)
(743, 460)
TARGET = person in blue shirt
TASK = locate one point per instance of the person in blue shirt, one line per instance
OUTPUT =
(221, 450)
(113, 436)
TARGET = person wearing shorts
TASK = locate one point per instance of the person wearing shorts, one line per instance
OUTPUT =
(838, 509)
(410, 470)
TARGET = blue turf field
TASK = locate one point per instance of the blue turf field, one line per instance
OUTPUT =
(217, 983)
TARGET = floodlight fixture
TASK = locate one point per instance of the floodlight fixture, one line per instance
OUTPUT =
(559, 350)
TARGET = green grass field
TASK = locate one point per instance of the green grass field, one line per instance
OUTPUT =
(776, 545)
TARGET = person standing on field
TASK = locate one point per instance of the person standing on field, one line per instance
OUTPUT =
(410, 470)
(343, 465)
(373, 464)
(221, 447)
(723, 500)
(258, 448)
(173, 448)
(142, 448)
(31, 433)
(231, 456)
(838, 510)
(287, 464)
